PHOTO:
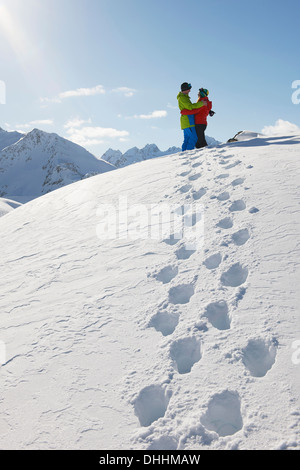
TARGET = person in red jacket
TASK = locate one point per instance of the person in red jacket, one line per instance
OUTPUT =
(201, 117)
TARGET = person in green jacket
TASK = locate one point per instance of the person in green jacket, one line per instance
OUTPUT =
(187, 122)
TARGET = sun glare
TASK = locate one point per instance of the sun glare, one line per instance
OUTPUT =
(13, 32)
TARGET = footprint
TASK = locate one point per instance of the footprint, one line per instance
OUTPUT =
(181, 294)
(151, 404)
(213, 261)
(185, 352)
(223, 196)
(172, 240)
(195, 165)
(225, 157)
(185, 173)
(241, 236)
(222, 176)
(217, 315)
(164, 322)
(225, 223)
(191, 219)
(238, 181)
(238, 205)
(185, 188)
(194, 177)
(235, 276)
(223, 414)
(259, 356)
(253, 210)
(198, 194)
(232, 165)
(184, 253)
(166, 274)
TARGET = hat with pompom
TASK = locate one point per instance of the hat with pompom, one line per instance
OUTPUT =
(203, 92)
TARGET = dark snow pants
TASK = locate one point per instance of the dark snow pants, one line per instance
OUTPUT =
(200, 129)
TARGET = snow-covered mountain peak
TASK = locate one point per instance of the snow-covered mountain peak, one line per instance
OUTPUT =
(134, 155)
(38, 162)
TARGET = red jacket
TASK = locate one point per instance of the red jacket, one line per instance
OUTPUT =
(200, 113)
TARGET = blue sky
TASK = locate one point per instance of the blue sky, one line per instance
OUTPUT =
(106, 73)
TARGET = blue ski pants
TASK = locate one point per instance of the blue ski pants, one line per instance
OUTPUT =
(189, 138)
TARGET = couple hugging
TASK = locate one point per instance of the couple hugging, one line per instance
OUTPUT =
(194, 117)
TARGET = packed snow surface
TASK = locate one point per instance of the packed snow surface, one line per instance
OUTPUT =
(114, 340)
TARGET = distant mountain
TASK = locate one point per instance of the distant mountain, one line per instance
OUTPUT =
(36, 163)
(134, 155)
(8, 138)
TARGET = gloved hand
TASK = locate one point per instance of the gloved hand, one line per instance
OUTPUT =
(211, 113)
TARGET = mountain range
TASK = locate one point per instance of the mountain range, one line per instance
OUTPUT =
(134, 155)
(37, 162)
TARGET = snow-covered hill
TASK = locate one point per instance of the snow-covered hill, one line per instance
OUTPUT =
(135, 154)
(38, 162)
(115, 335)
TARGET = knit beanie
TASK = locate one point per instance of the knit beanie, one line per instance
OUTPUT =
(203, 92)
(186, 86)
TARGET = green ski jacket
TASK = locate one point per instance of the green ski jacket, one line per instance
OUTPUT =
(184, 102)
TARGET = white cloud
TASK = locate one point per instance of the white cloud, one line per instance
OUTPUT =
(94, 135)
(128, 92)
(153, 115)
(38, 122)
(76, 122)
(97, 90)
(281, 127)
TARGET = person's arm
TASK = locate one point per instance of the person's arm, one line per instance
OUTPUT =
(190, 111)
(185, 103)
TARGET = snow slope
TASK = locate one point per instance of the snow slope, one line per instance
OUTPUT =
(137, 343)
(40, 162)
